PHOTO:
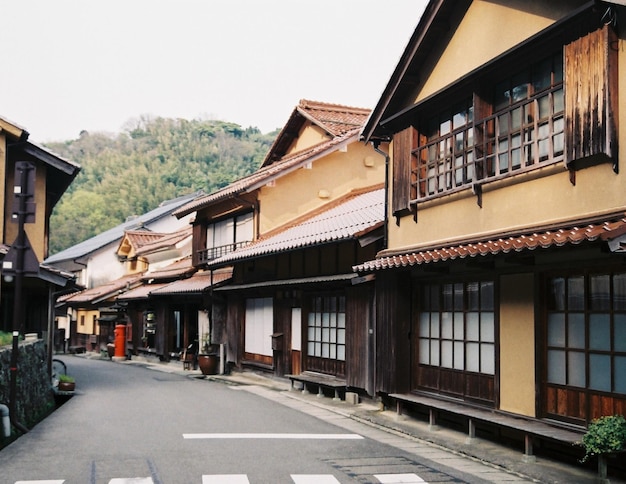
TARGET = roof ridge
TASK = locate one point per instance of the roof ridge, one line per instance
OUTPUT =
(308, 103)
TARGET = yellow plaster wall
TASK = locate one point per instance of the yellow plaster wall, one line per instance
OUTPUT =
(310, 135)
(3, 162)
(298, 193)
(489, 28)
(517, 344)
(36, 231)
(88, 327)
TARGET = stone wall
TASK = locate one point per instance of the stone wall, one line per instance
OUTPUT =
(35, 398)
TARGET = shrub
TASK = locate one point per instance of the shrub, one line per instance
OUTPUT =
(605, 435)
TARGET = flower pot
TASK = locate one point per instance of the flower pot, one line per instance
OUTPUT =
(66, 386)
(208, 364)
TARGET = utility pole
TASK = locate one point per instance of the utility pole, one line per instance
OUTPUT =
(20, 260)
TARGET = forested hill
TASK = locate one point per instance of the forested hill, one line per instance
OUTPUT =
(153, 160)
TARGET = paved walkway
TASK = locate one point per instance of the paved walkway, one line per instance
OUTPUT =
(492, 462)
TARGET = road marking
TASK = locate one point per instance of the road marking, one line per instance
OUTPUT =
(225, 479)
(399, 478)
(314, 479)
(50, 481)
(132, 480)
(275, 436)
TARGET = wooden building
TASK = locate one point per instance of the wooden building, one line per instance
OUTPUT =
(316, 163)
(505, 263)
(47, 178)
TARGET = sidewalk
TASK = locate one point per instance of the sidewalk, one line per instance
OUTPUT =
(368, 412)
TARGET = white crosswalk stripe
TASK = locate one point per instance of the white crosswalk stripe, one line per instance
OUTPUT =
(314, 479)
(243, 479)
(225, 479)
(49, 481)
(399, 478)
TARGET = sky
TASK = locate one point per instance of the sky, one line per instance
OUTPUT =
(100, 65)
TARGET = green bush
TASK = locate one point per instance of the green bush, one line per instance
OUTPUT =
(5, 338)
(604, 435)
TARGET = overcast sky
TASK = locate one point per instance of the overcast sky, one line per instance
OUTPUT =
(73, 65)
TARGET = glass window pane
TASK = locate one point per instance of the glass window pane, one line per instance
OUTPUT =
(556, 329)
(556, 367)
(424, 325)
(576, 330)
(444, 127)
(311, 348)
(599, 332)
(318, 349)
(520, 87)
(325, 350)
(559, 101)
(472, 327)
(487, 330)
(619, 292)
(326, 334)
(576, 369)
(620, 374)
(434, 325)
(311, 333)
(458, 119)
(487, 358)
(333, 320)
(472, 291)
(576, 293)
(599, 292)
(459, 332)
(424, 351)
(333, 335)
(341, 336)
(459, 355)
(503, 96)
(486, 296)
(446, 325)
(446, 354)
(543, 104)
(341, 353)
(473, 357)
(458, 297)
(558, 68)
(542, 75)
(556, 294)
(341, 320)
(434, 352)
(333, 352)
(619, 323)
(600, 372)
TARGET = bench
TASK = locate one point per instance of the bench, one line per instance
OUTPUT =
(531, 428)
(321, 381)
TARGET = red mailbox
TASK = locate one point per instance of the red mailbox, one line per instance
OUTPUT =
(120, 340)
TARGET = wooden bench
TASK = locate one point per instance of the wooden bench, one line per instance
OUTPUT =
(531, 428)
(321, 381)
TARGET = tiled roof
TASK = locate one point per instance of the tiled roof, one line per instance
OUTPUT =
(176, 269)
(335, 119)
(140, 237)
(270, 172)
(164, 241)
(196, 284)
(141, 292)
(109, 236)
(103, 292)
(567, 235)
(353, 216)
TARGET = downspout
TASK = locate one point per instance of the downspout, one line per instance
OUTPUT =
(375, 144)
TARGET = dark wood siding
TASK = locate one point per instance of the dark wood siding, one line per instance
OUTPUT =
(591, 96)
(393, 327)
(359, 347)
(403, 144)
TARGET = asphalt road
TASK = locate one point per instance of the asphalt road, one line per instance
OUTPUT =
(131, 424)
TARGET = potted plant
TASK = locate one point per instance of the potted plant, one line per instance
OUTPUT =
(605, 436)
(66, 383)
(208, 358)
